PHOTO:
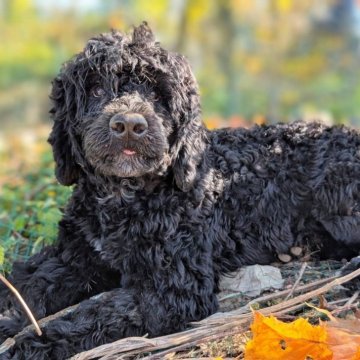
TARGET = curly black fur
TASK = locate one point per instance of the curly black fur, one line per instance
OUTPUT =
(157, 220)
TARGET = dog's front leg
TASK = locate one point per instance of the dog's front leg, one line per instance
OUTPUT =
(94, 322)
(49, 282)
(115, 315)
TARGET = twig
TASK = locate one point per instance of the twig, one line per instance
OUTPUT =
(301, 273)
(160, 355)
(279, 294)
(339, 301)
(352, 299)
(331, 305)
(239, 313)
(348, 305)
(23, 304)
(311, 294)
(127, 346)
(348, 308)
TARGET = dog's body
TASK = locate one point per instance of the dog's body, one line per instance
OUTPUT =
(162, 207)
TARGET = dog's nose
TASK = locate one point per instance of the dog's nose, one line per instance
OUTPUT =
(131, 124)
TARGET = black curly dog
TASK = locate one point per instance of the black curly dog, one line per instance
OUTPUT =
(162, 207)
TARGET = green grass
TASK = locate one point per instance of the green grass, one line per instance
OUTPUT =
(29, 213)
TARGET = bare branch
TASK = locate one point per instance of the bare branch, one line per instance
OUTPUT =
(23, 304)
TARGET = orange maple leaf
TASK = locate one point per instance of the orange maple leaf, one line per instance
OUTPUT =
(337, 339)
(274, 339)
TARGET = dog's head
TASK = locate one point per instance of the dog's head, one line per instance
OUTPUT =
(125, 107)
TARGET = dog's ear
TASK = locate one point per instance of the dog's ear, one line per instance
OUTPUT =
(143, 34)
(190, 134)
(66, 168)
(190, 145)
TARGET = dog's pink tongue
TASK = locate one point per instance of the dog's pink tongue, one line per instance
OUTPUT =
(129, 152)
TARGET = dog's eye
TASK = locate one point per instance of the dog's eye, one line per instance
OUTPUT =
(97, 91)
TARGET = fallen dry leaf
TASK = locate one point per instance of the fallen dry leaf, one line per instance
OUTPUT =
(337, 339)
(343, 339)
(274, 339)
(253, 280)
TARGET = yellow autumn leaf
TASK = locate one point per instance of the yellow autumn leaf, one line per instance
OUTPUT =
(274, 339)
(337, 339)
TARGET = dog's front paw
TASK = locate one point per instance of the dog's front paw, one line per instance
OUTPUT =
(31, 346)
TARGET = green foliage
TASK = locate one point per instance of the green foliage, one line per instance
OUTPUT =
(29, 213)
(2, 255)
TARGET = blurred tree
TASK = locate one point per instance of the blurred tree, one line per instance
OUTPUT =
(278, 58)
(183, 26)
(227, 27)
